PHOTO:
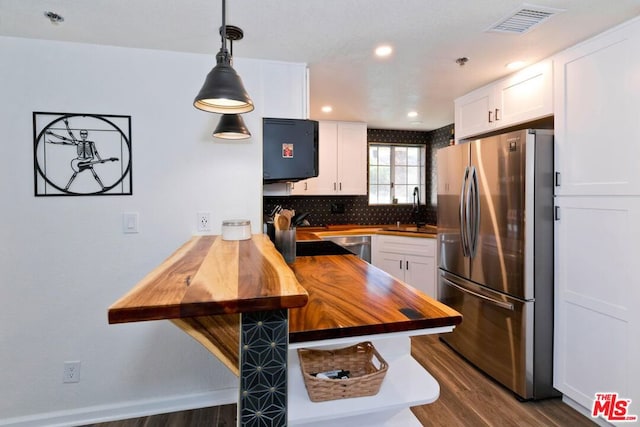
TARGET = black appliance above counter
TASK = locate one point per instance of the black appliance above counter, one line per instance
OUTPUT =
(290, 150)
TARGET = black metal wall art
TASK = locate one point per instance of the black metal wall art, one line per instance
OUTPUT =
(81, 154)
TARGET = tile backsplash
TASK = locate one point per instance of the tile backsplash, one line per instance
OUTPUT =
(325, 210)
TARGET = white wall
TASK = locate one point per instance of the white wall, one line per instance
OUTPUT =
(64, 260)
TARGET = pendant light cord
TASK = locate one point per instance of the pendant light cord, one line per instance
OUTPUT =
(224, 27)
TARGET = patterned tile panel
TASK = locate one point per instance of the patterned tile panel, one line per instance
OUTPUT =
(263, 369)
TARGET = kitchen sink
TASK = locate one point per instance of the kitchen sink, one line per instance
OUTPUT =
(425, 229)
(319, 247)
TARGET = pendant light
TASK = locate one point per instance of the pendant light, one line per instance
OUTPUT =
(223, 91)
(231, 126)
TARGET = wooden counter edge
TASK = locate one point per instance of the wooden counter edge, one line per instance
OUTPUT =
(145, 301)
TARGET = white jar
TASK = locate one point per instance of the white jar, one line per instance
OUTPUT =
(236, 229)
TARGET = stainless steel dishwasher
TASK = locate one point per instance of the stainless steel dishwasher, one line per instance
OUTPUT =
(357, 244)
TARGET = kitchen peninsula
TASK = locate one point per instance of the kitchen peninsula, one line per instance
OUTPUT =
(242, 302)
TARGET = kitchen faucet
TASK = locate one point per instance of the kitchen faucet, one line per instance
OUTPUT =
(416, 205)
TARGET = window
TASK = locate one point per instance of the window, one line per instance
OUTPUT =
(394, 171)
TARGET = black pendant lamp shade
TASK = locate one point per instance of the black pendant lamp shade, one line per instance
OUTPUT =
(231, 126)
(223, 91)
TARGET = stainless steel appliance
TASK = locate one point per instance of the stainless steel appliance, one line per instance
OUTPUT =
(356, 244)
(495, 243)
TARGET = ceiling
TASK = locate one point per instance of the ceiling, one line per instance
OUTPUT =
(336, 38)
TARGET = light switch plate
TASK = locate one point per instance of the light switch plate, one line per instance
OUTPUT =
(130, 222)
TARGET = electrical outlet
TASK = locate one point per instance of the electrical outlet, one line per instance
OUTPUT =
(71, 373)
(337, 207)
(203, 221)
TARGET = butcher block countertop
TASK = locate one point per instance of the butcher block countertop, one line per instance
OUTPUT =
(207, 282)
(207, 276)
(349, 297)
(405, 230)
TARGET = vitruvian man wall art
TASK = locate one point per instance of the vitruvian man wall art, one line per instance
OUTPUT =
(81, 154)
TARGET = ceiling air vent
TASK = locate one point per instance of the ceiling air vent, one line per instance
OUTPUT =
(523, 19)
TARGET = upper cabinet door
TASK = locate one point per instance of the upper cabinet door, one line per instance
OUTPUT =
(352, 158)
(525, 96)
(597, 119)
(522, 97)
(343, 161)
(472, 112)
(326, 180)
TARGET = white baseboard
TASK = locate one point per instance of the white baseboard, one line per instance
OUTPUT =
(584, 411)
(124, 410)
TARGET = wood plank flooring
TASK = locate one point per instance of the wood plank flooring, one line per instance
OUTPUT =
(468, 398)
(217, 416)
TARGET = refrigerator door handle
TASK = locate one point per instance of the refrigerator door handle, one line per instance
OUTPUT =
(501, 304)
(475, 212)
(468, 202)
(463, 215)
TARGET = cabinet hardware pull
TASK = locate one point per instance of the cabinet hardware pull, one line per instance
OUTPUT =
(407, 264)
(400, 264)
(556, 213)
(490, 121)
(334, 186)
(496, 115)
(557, 179)
(340, 186)
(305, 186)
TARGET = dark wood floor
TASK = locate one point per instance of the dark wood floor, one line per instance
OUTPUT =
(467, 398)
(217, 416)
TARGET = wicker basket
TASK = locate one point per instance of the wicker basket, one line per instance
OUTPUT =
(365, 378)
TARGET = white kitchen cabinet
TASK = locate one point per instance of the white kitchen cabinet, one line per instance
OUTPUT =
(521, 97)
(286, 94)
(343, 161)
(410, 259)
(597, 294)
(277, 189)
(597, 125)
(472, 112)
(597, 133)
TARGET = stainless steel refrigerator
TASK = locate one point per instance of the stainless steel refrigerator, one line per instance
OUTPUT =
(495, 243)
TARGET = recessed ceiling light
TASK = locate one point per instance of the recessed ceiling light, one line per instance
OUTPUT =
(383, 50)
(327, 109)
(515, 65)
(412, 114)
